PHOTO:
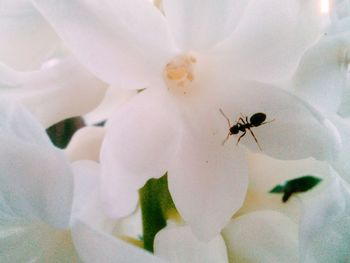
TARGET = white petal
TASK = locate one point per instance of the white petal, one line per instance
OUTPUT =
(344, 108)
(35, 243)
(125, 43)
(265, 173)
(20, 124)
(36, 180)
(270, 39)
(297, 130)
(130, 226)
(114, 98)
(8, 76)
(342, 39)
(139, 144)
(202, 24)
(321, 75)
(85, 144)
(264, 236)
(207, 181)
(87, 205)
(27, 39)
(341, 163)
(339, 26)
(86, 178)
(179, 245)
(55, 93)
(95, 246)
(325, 225)
(340, 9)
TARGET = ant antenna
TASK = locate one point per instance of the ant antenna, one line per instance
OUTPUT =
(228, 120)
(229, 126)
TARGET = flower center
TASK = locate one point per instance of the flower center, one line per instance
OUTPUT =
(179, 74)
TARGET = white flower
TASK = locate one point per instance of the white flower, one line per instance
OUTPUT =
(262, 236)
(27, 39)
(322, 79)
(85, 144)
(340, 10)
(36, 70)
(309, 227)
(114, 98)
(197, 58)
(93, 233)
(177, 244)
(36, 196)
(325, 224)
(267, 230)
(266, 172)
(54, 92)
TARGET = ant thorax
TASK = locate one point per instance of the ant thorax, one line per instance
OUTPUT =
(235, 129)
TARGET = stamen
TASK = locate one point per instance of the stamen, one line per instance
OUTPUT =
(179, 73)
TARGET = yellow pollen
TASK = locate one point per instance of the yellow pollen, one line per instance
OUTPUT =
(179, 73)
(190, 77)
(176, 73)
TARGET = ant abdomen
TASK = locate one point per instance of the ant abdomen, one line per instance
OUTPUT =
(257, 119)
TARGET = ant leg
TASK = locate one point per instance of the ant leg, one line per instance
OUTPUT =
(229, 126)
(228, 120)
(224, 141)
(244, 117)
(256, 140)
(267, 122)
(240, 137)
(241, 120)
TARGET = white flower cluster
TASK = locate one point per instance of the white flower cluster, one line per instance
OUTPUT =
(241, 107)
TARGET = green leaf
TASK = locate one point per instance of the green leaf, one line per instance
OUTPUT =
(140, 90)
(61, 133)
(277, 189)
(297, 185)
(156, 207)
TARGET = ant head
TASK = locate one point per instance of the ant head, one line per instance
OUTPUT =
(234, 129)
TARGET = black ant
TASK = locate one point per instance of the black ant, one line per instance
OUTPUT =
(243, 125)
